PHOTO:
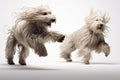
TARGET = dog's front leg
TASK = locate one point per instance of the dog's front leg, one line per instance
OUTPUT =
(57, 36)
(40, 49)
(38, 45)
(106, 49)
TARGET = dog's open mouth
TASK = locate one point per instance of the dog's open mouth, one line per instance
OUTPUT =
(99, 27)
(49, 24)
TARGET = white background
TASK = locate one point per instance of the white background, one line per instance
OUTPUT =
(70, 16)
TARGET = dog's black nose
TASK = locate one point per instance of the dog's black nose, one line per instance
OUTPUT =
(53, 20)
(101, 25)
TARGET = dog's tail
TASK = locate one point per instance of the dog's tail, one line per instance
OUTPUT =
(10, 47)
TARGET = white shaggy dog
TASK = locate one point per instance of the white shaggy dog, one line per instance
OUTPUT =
(87, 39)
(31, 30)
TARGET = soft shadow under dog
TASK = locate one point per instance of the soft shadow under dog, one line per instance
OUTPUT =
(94, 63)
(18, 67)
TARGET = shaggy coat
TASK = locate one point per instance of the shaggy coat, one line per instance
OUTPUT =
(31, 30)
(87, 39)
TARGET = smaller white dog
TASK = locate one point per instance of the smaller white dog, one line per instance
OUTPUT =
(87, 39)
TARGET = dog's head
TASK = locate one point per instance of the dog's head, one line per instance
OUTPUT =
(97, 21)
(41, 14)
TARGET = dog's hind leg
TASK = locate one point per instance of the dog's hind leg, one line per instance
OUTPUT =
(66, 56)
(23, 54)
(86, 58)
(10, 49)
(86, 52)
(66, 52)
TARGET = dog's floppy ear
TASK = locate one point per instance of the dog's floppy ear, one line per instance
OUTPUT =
(106, 18)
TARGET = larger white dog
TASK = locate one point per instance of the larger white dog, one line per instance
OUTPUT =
(31, 30)
(88, 38)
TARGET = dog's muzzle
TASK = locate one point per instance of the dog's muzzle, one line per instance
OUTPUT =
(100, 26)
(53, 20)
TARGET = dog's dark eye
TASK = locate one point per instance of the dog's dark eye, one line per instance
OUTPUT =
(44, 13)
(96, 19)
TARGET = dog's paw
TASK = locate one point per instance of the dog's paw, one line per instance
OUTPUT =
(107, 51)
(68, 60)
(43, 54)
(10, 62)
(22, 62)
(61, 38)
(86, 62)
(106, 54)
